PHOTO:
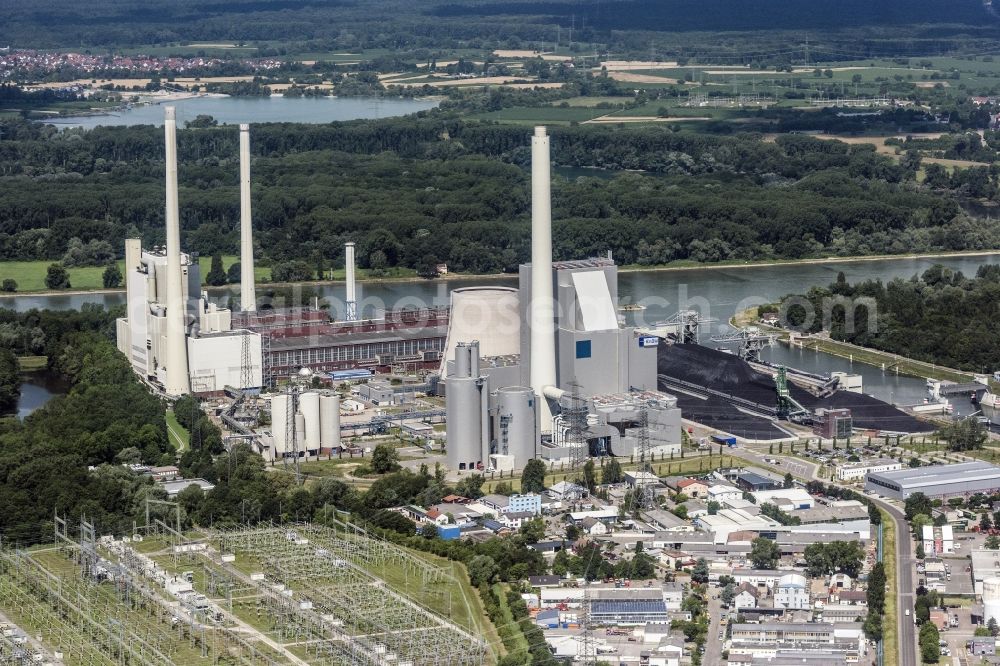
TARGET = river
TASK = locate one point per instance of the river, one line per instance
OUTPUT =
(277, 109)
(716, 292)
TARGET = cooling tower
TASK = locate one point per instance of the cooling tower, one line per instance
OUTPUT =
(490, 315)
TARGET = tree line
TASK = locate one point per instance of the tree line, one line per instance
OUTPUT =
(431, 188)
(940, 316)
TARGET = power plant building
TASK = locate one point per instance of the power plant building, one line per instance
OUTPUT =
(518, 359)
(175, 339)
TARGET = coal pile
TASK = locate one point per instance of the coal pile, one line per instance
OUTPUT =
(872, 414)
(723, 372)
(729, 374)
(720, 414)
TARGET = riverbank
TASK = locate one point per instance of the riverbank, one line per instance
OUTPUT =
(885, 361)
(30, 275)
(764, 263)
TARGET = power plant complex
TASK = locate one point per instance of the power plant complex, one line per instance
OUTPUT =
(572, 383)
(546, 370)
(176, 340)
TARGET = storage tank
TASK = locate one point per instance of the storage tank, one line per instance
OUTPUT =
(279, 423)
(329, 421)
(300, 432)
(991, 599)
(514, 424)
(309, 408)
(465, 403)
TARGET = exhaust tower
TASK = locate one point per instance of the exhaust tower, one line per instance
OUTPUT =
(178, 379)
(542, 369)
(350, 296)
(248, 295)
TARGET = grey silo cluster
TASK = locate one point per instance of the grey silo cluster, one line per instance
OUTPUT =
(515, 423)
(467, 405)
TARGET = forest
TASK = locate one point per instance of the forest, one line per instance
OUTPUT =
(418, 190)
(940, 316)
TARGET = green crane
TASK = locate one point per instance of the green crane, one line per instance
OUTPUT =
(788, 407)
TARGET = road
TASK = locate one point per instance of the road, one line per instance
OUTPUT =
(713, 646)
(906, 631)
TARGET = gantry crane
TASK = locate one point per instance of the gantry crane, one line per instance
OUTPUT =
(751, 341)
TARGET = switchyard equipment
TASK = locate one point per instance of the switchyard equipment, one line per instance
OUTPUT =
(317, 591)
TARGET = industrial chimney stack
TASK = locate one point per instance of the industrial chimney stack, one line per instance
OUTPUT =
(178, 380)
(248, 295)
(542, 307)
(351, 296)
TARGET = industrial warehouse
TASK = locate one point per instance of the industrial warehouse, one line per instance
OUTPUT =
(936, 480)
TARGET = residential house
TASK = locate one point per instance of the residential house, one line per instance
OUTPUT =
(853, 597)
(693, 488)
(667, 653)
(593, 526)
(676, 559)
(165, 473)
(436, 517)
(792, 591)
(746, 596)
(723, 492)
(515, 519)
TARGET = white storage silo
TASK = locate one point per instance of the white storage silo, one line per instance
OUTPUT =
(309, 408)
(515, 424)
(300, 432)
(991, 599)
(329, 421)
(279, 423)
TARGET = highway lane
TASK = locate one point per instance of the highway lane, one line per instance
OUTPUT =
(905, 630)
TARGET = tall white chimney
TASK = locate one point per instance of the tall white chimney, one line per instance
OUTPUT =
(248, 295)
(542, 308)
(178, 380)
(351, 295)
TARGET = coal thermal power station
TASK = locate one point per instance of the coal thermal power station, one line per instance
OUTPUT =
(549, 370)
(176, 340)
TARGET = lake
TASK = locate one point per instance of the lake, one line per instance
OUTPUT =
(37, 388)
(716, 292)
(235, 110)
